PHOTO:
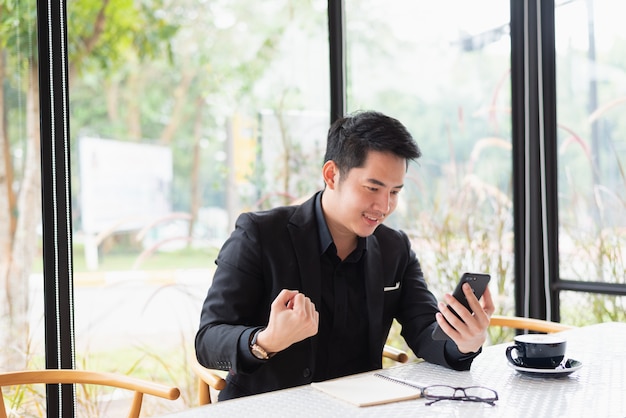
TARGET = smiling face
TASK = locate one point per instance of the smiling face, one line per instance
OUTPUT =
(355, 204)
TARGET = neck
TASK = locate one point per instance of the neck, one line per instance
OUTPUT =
(345, 248)
(344, 240)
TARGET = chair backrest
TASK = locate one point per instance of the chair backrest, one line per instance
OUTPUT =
(395, 354)
(207, 379)
(66, 376)
(530, 324)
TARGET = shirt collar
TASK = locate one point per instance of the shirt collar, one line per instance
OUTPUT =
(322, 227)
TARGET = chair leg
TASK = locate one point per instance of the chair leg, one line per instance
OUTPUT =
(135, 409)
(3, 411)
(204, 393)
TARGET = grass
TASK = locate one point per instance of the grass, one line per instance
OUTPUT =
(124, 259)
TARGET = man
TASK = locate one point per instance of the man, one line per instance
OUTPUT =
(308, 293)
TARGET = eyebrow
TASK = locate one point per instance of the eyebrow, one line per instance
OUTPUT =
(380, 183)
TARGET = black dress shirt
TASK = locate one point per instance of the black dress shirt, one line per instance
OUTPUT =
(343, 327)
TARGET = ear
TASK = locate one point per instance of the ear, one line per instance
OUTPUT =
(330, 173)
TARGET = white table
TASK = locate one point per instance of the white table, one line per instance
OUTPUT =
(598, 389)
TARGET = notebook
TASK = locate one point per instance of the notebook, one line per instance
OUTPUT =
(370, 389)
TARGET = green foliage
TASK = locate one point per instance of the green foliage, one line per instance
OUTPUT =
(17, 27)
(104, 34)
(25, 401)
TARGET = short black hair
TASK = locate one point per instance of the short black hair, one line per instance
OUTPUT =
(352, 137)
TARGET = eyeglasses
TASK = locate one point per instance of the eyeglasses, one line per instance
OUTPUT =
(436, 393)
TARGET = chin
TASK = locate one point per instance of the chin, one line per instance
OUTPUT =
(366, 233)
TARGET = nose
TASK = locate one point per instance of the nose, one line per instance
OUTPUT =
(384, 203)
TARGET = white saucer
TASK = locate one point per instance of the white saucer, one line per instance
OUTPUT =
(562, 370)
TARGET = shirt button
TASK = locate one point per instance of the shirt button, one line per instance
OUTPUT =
(306, 372)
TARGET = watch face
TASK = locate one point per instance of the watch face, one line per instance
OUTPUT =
(258, 352)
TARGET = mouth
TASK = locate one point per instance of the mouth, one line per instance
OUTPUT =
(374, 218)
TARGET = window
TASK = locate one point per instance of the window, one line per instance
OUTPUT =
(184, 114)
(446, 77)
(182, 117)
(20, 186)
(591, 101)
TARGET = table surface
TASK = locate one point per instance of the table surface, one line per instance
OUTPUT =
(597, 389)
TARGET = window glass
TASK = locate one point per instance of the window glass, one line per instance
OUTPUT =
(184, 114)
(442, 68)
(591, 104)
(20, 187)
(21, 283)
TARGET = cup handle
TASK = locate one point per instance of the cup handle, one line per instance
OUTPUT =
(514, 361)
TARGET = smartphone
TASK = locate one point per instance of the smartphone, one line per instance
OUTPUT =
(478, 282)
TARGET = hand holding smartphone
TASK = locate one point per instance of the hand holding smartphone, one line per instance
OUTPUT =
(478, 283)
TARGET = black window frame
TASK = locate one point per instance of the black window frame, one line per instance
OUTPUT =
(56, 202)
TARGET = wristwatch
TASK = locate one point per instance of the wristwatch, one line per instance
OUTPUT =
(258, 351)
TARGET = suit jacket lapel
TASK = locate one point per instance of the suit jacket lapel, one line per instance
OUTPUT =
(302, 226)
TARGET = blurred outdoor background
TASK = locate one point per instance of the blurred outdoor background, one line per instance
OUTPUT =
(186, 113)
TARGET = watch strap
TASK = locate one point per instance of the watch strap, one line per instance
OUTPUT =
(256, 350)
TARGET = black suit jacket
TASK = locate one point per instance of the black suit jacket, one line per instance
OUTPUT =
(279, 249)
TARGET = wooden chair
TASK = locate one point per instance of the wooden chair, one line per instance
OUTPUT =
(68, 376)
(213, 379)
(395, 354)
(207, 379)
(530, 324)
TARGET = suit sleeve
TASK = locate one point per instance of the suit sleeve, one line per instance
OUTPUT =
(235, 305)
(417, 316)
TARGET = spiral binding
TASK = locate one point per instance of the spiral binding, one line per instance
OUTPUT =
(400, 381)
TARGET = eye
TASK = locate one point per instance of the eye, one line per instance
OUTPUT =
(395, 192)
(371, 189)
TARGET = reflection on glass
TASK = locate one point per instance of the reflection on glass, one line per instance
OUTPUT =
(442, 68)
(591, 88)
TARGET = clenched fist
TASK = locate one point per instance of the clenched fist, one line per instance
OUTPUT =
(293, 318)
